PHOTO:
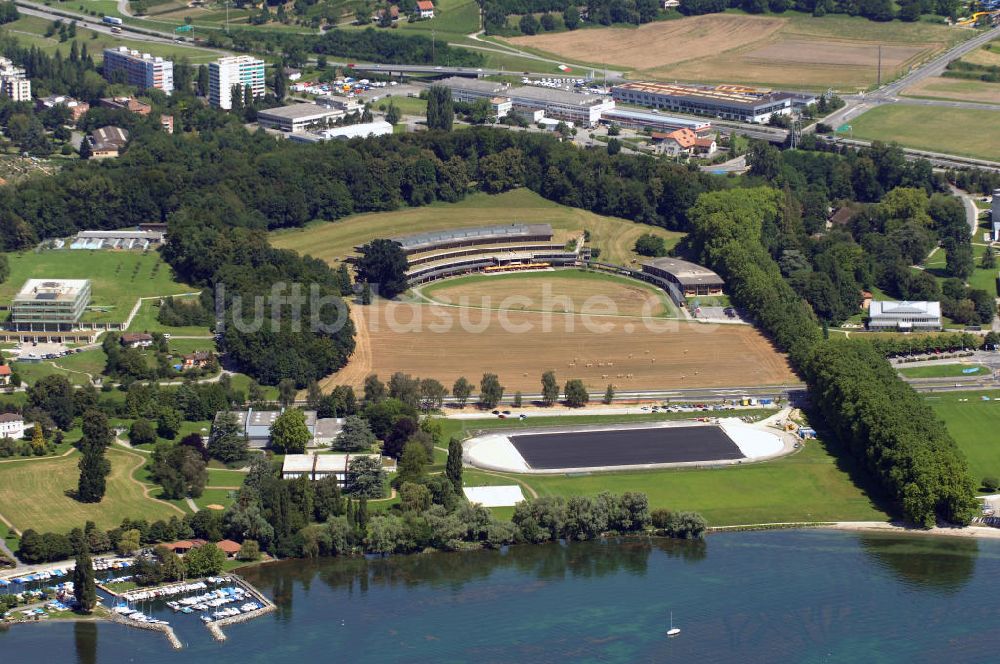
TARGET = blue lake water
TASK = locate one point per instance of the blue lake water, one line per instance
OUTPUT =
(779, 596)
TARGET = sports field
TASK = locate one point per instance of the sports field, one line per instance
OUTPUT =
(33, 494)
(962, 131)
(973, 423)
(555, 291)
(117, 277)
(332, 241)
(446, 342)
(944, 371)
(810, 485)
(789, 50)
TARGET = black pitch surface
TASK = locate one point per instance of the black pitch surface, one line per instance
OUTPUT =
(626, 447)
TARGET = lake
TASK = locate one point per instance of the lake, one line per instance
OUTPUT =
(776, 596)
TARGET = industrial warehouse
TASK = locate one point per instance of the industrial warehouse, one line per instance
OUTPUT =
(729, 102)
(580, 109)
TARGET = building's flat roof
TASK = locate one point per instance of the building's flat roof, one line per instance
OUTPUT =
(647, 116)
(299, 111)
(687, 273)
(328, 427)
(321, 463)
(900, 308)
(122, 235)
(51, 289)
(732, 95)
(474, 84)
(556, 96)
(499, 232)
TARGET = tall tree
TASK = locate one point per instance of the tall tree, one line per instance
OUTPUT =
(609, 394)
(228, 442)
(490, 390)
(289, 433)
(576, 393)
(94, 467)
(453, 469)
(550, 388)
(462, 390)
(280, 82)
(383, 262)
(440, 108)
(84, 587)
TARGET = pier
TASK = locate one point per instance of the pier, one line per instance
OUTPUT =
(267, 606)
(166, 630)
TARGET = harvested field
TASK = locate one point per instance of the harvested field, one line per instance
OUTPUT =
(332, 241)
(556, 291)
(955, 88)
(657, 44)
(794, 50)
(632, 353)
(989, 55)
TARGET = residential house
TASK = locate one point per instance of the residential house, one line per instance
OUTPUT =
(136, 340)
(76, 108)
(198, 359)
(676, 143)
(705, 146)
(11, 425)
(229, 547)
(130, 104)
(167, 123)
(5, 374)
(183, 546)
(393, 13)
(425, 8)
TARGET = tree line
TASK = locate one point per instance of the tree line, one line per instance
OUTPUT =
(884, 423)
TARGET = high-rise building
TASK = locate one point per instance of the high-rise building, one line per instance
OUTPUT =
(242, 70)
(50, 304)
(13, 82)
(141, 69)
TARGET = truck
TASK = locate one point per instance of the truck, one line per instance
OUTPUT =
(112, 20)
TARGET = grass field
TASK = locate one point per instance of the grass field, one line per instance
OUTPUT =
(117, 277)
(33, 494)
(973, 423)
(145, 321)
(981, 278)
(944, 371)
(939, 87)
(968, 132)
(30, 31)
(559, 291)
(791, 49)
(434, 341)
(809, 485)
(332, 241)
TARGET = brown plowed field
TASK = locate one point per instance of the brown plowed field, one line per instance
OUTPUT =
(442, 342)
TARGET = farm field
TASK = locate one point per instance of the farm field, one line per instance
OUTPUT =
(332, 241)
(434, 341)
(972, 133)
(973, 424)
(940, 87)
(117, 277)
(32, 494)
(792, 49)
(30, 31)
(556, 291)
(810, 485)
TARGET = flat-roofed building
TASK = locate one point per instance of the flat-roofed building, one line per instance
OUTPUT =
(689, 278)
(320, 466)
(298, 117)
(256, 424)
(904, 316)
(76, 108)
(730, 102)
(50, 305)
(124, 239)
(463, 237)
(635, 119)
(579, 108)
(139, 69)
(242, 70)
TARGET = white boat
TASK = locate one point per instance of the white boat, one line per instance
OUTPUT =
(673, 631)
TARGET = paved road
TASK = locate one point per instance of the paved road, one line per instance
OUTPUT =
(971, 211)
(936, 66)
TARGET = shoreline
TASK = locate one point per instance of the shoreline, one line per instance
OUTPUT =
(884, 527)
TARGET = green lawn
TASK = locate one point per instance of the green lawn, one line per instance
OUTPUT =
(32, 372)
(333, 241)
(34, 494)
(30, 31)
(943, 371)
(222, 497)
(88, 361)
(406, 105)
(973, 423)
(968, 132)
(219, 477)
(145, 321)
(117, 277)
(183, 346)
(981, 278)
(810, 485)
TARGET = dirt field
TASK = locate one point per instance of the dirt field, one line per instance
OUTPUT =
(631, 353)
(556, 291)
(791, 50)
(985, 56)
(332, 241)
(657, 44)
(956, 88)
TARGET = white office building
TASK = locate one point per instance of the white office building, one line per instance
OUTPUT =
(904, 316)
(242, 70)
(140, 69)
